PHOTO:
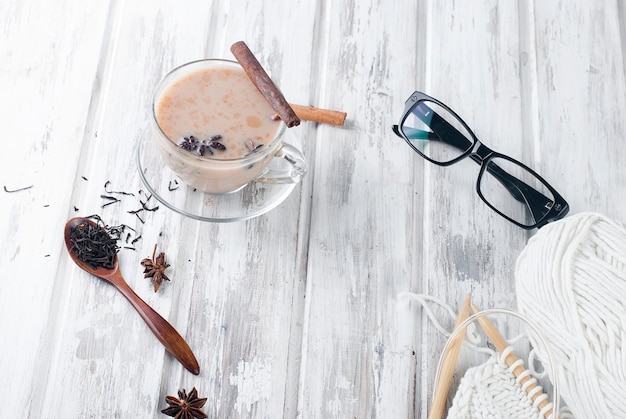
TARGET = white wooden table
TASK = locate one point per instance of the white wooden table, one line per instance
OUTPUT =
(294, 313)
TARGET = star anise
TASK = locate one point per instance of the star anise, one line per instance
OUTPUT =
(186, 406)
(155, 269)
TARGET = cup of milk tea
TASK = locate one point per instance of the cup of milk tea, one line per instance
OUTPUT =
(217, 132)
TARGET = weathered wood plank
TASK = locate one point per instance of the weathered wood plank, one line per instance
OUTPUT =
(47, 80)
(358, 359)
(473, 64)
(581, 100)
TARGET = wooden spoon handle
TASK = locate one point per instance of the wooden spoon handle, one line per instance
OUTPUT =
(164, 331)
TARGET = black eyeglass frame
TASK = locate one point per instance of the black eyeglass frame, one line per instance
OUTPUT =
(482, 155)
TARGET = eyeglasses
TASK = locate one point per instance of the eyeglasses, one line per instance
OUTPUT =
(507, 186)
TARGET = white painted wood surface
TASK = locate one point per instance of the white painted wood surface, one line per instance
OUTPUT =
(295, 313)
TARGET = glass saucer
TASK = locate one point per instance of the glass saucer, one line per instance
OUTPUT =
(248, 202)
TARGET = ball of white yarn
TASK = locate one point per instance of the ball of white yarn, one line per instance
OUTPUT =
(571, 283)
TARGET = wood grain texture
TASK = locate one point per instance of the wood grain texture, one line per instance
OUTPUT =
(295, 313)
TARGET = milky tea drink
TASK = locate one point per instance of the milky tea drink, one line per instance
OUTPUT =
(215, 129)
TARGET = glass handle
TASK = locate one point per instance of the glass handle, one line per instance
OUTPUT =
(293, 173)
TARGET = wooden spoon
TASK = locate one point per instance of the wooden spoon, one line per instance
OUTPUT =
(164, 331)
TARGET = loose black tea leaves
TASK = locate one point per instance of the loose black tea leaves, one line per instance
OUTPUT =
(145, 204)
(132, 243)
(107, 189)
(7, 190)
(137, 212)
(144, 207)
(173, 185)
(110, 199)
(96, 244)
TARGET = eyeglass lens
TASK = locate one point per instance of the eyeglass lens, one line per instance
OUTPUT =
(505, 185)
(514, 191)
(436, 133)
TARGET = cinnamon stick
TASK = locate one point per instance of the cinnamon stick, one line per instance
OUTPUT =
(325, 116)
(264, 83)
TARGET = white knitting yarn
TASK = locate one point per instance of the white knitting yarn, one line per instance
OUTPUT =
(571, 283)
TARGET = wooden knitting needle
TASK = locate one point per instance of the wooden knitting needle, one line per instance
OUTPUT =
(449, 363)
(501, 344)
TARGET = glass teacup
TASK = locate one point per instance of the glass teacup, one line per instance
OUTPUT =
(216, 131)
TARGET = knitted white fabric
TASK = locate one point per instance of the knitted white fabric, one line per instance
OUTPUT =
(571, 283)
(491, 390)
